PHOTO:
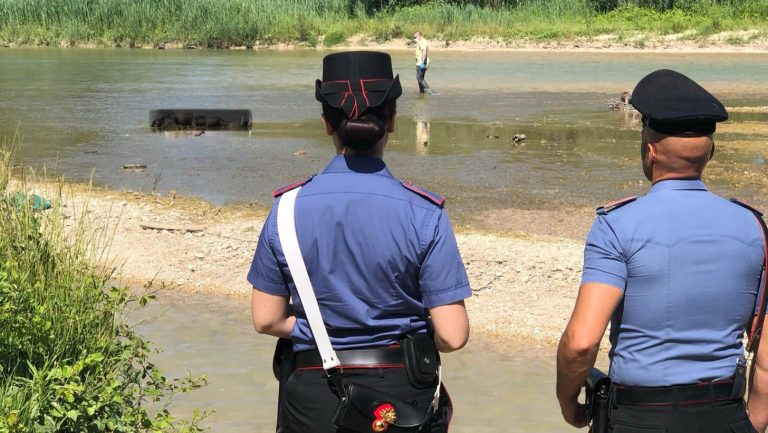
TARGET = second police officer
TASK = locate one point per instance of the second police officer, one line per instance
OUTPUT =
(676, 272)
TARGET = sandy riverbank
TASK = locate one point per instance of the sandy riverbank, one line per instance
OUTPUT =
(747, 41)
(524, 280)
(743, 41)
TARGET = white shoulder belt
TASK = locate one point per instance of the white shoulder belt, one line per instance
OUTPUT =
(286, 229)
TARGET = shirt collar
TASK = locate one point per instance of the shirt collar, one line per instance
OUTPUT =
(678, 184)
(357, 164)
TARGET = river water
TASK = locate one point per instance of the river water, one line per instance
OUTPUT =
(85, 113)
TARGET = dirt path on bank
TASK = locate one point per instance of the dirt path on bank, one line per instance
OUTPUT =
(524, 280)
(731, 41)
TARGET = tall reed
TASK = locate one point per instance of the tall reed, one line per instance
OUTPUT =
(221, 23)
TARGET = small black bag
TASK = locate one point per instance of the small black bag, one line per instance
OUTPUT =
(364, 409)
(421, 360)
(282, 367)
(598, 392)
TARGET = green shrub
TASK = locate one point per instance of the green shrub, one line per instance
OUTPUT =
(335, 37)
(68, 363)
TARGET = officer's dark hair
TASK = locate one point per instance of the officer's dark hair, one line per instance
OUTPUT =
(363, 132)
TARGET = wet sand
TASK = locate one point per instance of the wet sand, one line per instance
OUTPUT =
(524, 279)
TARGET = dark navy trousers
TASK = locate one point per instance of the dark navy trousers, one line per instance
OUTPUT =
(713, 417)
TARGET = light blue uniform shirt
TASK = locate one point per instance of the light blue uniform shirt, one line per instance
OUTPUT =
(377, 254)
(689, 264)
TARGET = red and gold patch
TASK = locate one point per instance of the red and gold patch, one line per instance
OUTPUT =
(384, 415)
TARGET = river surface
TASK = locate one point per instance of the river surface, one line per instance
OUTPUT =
(506, 389)
(84, 113)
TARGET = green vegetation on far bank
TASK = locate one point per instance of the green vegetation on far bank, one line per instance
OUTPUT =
(225, 23)
(68, 363)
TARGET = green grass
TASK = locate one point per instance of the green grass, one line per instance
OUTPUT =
(68, 363)
(223, 23)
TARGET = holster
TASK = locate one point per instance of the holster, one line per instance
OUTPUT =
(422, 359)
(282, 367)
(598, 393)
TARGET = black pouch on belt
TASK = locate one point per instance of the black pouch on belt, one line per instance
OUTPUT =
(364, 409)
(598, 392)
(282, 360)
(421, 359)
(282, 367)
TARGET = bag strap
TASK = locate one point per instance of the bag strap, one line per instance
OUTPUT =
(286, 229)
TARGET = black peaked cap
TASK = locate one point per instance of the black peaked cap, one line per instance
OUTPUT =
(356, 81)
(673, 104)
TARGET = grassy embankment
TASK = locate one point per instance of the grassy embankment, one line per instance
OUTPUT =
(225, 23)
(68, 363)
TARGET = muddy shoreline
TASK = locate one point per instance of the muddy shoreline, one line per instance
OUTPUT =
(524, 278)
(750, 41)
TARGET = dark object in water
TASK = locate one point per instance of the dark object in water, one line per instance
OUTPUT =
(180, 119)
(518, 139)
(134, 166)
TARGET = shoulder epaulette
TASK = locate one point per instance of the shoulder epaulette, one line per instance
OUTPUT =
(746, 206)
(280, 191)
(604, 209)
(434, 198)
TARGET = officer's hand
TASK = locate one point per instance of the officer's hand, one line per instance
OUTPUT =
(575, 414)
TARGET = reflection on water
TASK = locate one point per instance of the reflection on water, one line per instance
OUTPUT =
(494, 390)
(85, 112)
(422, 137)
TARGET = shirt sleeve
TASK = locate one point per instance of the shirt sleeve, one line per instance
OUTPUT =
(265, 274)
(443, 279)
(604, 260)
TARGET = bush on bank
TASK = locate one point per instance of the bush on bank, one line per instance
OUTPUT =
(224, 23)
(68, 363)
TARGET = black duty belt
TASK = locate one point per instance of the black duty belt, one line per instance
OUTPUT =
(378, 357)
(677, 394)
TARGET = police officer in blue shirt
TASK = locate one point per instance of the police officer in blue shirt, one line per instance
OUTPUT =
(380, 253)
(676, 272)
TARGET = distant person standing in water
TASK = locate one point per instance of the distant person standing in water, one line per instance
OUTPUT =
(422, 62)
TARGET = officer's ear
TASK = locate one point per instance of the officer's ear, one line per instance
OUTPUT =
(328, 129)
(651, 155)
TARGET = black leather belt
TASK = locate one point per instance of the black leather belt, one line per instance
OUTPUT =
(389, 356)
(677, 394)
